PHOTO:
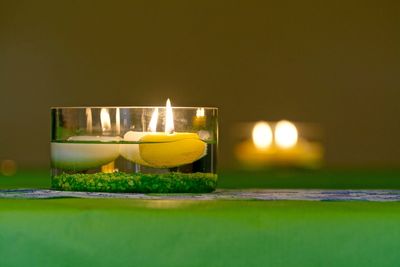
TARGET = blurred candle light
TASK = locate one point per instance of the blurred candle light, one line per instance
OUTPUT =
(105, 120)
(153, 121)
(286, 134)
(199, 121)
(200, 112)
(89, 120)
(262, 135)
(117, 122)
(8, 167)
(281, 147)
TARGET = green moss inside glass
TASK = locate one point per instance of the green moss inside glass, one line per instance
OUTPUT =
(172, 182)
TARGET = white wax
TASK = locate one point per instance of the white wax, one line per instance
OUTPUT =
(75, 156)
(94, 138)
(131, 151)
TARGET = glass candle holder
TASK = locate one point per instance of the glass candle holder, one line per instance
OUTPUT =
(134, 149)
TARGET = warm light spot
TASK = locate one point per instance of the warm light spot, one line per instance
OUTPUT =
(8, 167)
(200, 112)
(105, 119)
(109, 168)
(117, 121)
(169, 118)
(285, 134)
(153, 121)
(262, 135)
(89, 120)
(167, 204)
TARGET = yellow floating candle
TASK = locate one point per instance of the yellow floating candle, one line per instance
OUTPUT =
(171, 150)
(163, 150)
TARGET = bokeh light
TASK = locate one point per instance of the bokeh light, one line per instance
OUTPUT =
(262, 135)
(285, 134)
(8, 167)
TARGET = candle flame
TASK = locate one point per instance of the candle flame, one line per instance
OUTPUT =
(89, 121)
(169, 118)
(286, 134)
(200, 112)
(153, 121)
(117, 121)
(262, 135)
(105, 119)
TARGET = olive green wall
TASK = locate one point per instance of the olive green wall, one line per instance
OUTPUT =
(336, 63)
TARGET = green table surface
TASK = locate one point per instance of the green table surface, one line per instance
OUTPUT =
(126, 232)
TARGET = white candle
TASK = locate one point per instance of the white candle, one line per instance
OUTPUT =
(86, 152)
(81, 155)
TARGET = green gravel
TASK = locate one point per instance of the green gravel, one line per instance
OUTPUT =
(173, 182)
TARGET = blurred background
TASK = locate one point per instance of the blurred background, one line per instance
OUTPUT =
(334, 63)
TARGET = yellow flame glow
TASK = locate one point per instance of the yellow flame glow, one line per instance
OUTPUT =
(200, 112)
(105, 119)
(117, 121)
(262, 135)
(153, 121)
(89, 120)
(169, 118)
(286, 134)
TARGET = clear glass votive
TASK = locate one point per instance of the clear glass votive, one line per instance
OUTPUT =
(134, 149)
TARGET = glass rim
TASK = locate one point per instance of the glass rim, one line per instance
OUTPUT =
(132, 107)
